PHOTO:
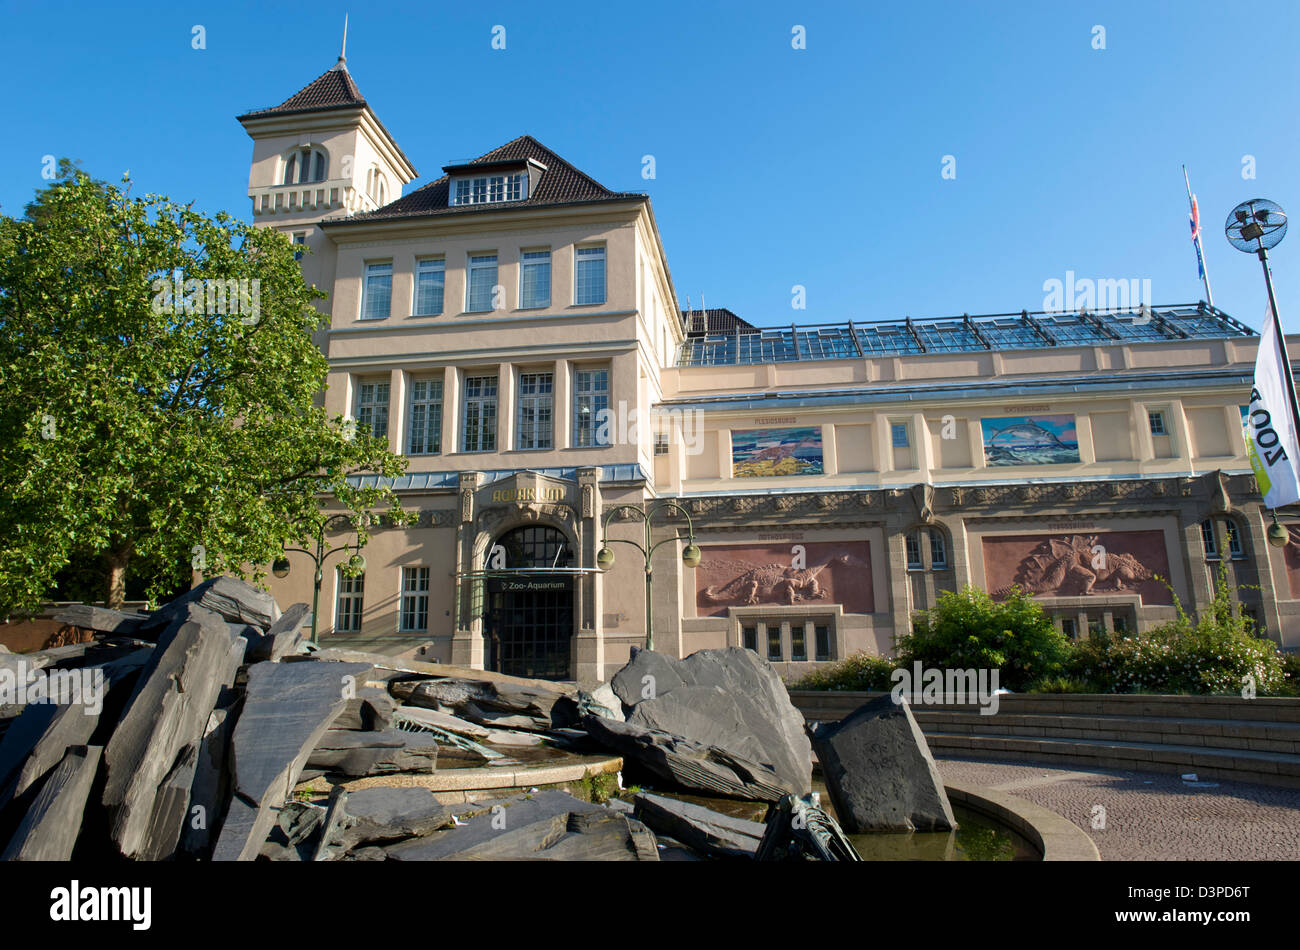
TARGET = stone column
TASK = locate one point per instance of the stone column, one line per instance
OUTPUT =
(589, 643)
(467, 642)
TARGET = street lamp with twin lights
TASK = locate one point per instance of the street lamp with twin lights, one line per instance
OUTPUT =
(356, 563)
(690, 554)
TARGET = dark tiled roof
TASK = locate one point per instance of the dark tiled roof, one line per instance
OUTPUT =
(714, 320)
(332, 90)
(560, 184)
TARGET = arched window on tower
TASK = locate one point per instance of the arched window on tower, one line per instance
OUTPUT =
(376, 186)
(305, 166)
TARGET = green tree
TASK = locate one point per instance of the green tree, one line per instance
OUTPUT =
(970, 630)
(160, 396)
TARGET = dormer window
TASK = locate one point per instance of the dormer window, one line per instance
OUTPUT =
(305, 166)
(488, 189)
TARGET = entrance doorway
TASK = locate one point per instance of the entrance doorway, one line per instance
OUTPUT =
(528, 622)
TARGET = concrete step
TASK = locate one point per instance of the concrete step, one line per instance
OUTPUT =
(1269, 768)
(1210, 733)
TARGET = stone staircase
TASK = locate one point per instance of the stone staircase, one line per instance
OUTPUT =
(1217, 737)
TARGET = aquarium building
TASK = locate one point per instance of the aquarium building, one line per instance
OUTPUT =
(512, 328)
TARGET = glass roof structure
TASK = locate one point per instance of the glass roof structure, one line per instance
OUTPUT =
(964, 334)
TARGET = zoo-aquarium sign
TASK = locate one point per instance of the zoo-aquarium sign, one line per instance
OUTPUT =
(1030, 440)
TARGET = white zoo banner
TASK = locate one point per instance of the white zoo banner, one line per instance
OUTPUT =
(1270, 430)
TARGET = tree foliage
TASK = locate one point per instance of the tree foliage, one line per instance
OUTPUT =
(161, 430)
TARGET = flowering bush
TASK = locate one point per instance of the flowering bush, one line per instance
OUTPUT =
(1214, 654)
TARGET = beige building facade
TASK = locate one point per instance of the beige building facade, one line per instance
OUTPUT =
(513, 329)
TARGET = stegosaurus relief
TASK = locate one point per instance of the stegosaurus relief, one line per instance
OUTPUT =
(773, 584)
(1070, 567)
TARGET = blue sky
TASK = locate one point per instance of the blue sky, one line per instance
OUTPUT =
(774, 167)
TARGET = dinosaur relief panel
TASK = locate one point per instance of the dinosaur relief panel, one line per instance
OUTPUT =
(1079, 565)
(784, 573)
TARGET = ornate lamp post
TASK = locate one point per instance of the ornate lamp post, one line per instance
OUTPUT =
(690, 553)
(1254, 227)
(356, 562)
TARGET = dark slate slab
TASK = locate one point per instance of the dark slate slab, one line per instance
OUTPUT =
(730, 699)
(284, 636)
(210, 790)
(709, 832)
(287, 709)
(379, 815)
(370, 711)
(235, 600)
(174, 695)
(50, 828)
(171, 807)
(879, 771)
(516, 827)
(374, 753)
(514, 705)
(688, 764)
(103, 619)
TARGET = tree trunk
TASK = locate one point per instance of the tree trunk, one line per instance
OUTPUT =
(117, 562)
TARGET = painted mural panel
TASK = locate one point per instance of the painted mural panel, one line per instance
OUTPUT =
(1030, 440)
(1077, 565)
(764, 453)
(779, 574)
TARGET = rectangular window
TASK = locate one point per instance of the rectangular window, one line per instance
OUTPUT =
(773, 641)
(914, 551)
(424, 431)
(1208, 540)
(661, 443)
(898, 435)
(299, 242)
(749, 636)
(430, 281)
(1067, 627)
(589, 275)
(798, 641)
(1157, 422)
(590, 404)
(480, 414)
(1234, 540)
(482, 281)
(1095, 627)
(535, 406)
(938, 551)
(372, 408)
(1119, 624)
(415, 600)
(535, 279)
(377, 296)
(347, 612)
(822, 636)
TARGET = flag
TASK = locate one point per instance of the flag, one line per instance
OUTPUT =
(1196, 239)
(1270, 429)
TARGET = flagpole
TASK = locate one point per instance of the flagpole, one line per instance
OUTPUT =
(1196, 239)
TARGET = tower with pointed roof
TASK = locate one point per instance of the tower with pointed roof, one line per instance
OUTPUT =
(321, 154)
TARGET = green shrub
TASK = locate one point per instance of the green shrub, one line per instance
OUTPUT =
(969, 630)
(1060, 684)
(1291, 670)
(858, 672)
(1213, 654)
